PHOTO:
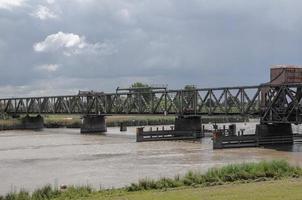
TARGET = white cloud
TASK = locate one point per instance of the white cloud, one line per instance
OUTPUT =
(44, 13)
(9, 4)
(50, 1)
(72, 44)
(48, 67)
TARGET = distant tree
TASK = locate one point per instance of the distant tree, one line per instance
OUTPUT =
(232, 101)
(143, 88)
(188, 94)
(210, 102)
(190, 87)
(138, 85)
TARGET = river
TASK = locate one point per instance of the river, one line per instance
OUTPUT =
(30, 159)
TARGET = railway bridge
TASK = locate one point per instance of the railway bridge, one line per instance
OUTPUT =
(277, 103)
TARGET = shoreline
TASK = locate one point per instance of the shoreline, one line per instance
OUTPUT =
(57, 121)
(230, 176)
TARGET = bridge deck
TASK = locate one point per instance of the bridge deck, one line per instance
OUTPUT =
(271, 103)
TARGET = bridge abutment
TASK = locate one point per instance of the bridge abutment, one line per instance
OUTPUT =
(33, 123)
(189, 123)
(276, 133)
(94, 124)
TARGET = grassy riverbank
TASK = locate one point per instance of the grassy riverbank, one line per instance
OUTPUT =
(264, 180)
(74, 121)
(71, 121)
(9, 124)
(289, 189)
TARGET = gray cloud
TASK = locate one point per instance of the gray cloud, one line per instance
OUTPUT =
(200, 42)
(44, 13)
(10, 4)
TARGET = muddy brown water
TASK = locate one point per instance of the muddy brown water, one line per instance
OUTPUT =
(30, 159)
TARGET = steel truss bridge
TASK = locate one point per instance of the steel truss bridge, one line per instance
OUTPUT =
(271, 103)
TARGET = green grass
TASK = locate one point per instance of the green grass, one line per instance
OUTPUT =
(74, 121)
(139, 120)
(246, 172)
(7, 124)
(48, 192)
(289, 189)
(57, 121)
(191, 186)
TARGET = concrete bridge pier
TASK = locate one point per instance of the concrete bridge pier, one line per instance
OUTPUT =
(189, 123)
(33, 123)
(94, 124)
(276, 133)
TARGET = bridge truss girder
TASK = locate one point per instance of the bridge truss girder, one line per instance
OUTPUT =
(272, 103)
(282, 105)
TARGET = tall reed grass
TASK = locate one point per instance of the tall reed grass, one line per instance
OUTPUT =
(48, 192)
(246, 172)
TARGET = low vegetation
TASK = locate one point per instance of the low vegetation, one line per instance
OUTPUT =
(48, 192)
(74, 121)
(289, 189)
(246, 172)
(59, 121)
(8, 124)
(112, 121)
(235, 173)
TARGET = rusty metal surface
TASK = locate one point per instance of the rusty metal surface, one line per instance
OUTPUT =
(286, 74)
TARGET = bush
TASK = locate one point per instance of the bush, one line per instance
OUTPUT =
(76, 192)
(46, 192)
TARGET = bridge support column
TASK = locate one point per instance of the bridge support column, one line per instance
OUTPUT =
(33, 123)
(189, 123)
(279, 133)
(94, 124)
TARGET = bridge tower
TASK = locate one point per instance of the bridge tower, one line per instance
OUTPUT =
(278, 105)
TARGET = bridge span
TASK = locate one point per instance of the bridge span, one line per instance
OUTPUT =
(272, 103)
(277, 104)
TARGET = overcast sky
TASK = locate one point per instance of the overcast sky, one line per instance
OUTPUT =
(62, 46)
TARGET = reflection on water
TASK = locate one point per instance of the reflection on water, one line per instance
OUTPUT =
(31, 159)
